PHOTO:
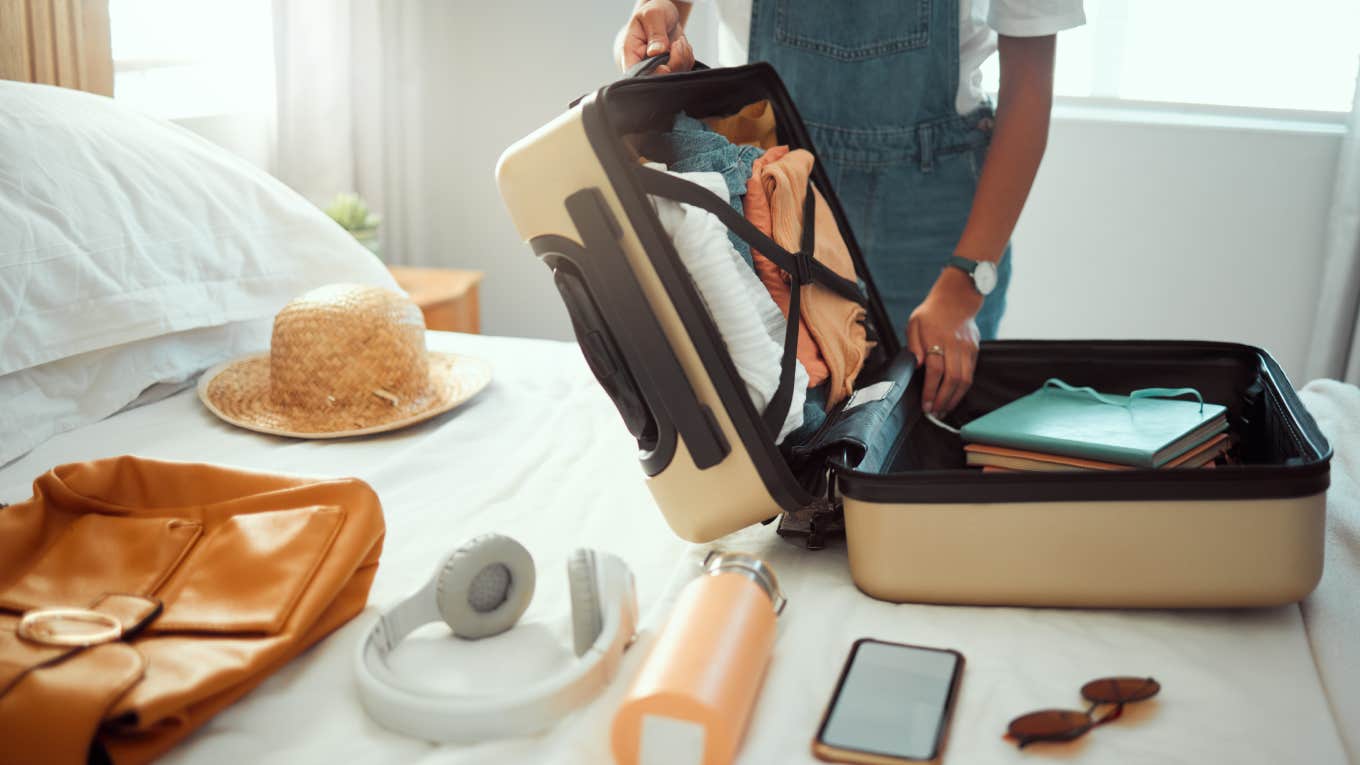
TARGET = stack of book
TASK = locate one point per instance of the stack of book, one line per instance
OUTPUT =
(1054, 429)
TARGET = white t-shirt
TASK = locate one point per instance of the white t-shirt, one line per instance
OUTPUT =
(979, 23)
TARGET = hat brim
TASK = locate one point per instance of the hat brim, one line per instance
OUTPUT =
(238, 392)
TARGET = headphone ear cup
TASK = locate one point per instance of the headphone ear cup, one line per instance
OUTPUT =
(587, 617)
(485, 586)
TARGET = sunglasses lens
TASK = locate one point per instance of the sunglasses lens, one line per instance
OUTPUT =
(1049, 725)
(1120, 690)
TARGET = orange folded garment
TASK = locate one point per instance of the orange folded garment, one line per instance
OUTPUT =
(752, 126)
(835, 324)
(214, 577)
(757, 209)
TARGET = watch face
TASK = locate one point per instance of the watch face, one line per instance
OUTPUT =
(984, 277)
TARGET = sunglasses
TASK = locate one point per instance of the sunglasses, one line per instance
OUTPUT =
(1067, 724)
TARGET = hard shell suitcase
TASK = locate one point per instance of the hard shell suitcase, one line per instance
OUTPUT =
(919, 526)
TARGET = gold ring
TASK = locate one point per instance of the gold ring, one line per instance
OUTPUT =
(39, 626)
(935, 349)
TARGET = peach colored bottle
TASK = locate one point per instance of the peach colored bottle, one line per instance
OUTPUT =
(692, 699)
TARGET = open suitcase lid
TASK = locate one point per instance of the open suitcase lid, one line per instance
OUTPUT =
(638, 103)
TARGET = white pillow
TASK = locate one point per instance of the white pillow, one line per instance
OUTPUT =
(116, 227)
(40, 402)
(132, 253)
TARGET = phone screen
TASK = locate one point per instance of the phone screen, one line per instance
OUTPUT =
(893, 700)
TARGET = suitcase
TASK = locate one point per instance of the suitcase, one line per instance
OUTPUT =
(918, 526)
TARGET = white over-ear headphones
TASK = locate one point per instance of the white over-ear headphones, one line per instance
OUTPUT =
(480, 590)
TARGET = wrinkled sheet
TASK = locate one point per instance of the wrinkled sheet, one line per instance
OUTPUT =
(1332, 613)
(540, 455)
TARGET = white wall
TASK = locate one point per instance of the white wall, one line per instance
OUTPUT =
(495, 78)
(1146, 225)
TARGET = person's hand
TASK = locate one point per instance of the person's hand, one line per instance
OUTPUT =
(943, 336)
(655, 27)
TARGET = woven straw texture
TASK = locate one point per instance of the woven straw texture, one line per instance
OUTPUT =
(343, 360)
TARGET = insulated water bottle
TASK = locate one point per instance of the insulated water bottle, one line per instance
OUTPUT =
(692, 698)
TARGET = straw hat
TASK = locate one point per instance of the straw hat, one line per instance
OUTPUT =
(345, 360)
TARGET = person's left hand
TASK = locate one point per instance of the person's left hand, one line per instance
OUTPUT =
(943, 336)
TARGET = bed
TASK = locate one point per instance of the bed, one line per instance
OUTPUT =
(540, 455)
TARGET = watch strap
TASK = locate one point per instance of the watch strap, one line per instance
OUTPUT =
(967, 265)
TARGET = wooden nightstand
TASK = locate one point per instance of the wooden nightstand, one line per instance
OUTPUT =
(447, 297)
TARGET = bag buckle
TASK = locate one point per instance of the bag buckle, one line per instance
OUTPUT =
(44, 626)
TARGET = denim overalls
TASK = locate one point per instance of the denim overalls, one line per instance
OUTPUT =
(876, 82)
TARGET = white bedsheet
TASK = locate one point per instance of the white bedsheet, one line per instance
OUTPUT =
(540, 455)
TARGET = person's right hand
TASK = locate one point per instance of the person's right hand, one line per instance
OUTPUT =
(655, 27)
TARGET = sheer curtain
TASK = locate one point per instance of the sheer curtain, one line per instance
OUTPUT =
(1335, 348)
(350, 96)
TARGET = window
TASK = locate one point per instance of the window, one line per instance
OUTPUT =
(1300, 56)
(192, 58)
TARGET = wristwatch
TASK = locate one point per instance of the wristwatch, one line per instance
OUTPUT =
(982, 271)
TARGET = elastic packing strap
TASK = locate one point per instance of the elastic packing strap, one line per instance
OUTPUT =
(801, 266)
(1122, 401)
(778, 408)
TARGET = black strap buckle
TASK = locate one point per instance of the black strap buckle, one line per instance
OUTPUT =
(802, 268)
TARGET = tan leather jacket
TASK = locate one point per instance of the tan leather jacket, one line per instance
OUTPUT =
(214, 577)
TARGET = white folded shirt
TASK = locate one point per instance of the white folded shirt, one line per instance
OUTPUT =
(750, 323)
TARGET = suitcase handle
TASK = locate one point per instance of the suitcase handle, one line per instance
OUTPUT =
(648, 65)
(641, 69)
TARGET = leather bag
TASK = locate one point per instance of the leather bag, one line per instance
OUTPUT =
(196, 582)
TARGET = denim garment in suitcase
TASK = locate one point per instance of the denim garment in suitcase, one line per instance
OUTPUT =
(919, 525)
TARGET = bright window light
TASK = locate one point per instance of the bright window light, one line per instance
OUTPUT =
(192, 58)
(1300, 56)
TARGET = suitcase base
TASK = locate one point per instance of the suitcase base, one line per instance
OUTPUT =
(1219, 554)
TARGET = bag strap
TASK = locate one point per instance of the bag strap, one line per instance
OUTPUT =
(1127, 402)
(801, 266)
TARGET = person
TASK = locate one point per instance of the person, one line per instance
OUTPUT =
(930, 176)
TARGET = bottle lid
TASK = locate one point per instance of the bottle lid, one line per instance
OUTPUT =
(751, 567)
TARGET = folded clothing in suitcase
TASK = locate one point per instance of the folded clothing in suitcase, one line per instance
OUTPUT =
(919, 524)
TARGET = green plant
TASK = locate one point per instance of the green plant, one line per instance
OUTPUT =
(352, 213)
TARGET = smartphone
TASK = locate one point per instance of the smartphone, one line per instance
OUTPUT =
(891, 705)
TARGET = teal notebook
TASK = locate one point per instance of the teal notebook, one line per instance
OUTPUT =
(1144, 429)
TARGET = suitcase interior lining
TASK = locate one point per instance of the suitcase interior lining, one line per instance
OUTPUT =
(894, 454)
(1261, 431)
